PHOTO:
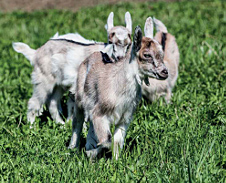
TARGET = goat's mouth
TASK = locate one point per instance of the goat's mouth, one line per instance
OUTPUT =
(161, 76)
(158, 76)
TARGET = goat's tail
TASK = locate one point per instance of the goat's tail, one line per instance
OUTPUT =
(160, 27)
(23, 48)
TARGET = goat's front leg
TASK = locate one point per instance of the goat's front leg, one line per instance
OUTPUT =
(77, 124)
(119, 137)
(168, 95)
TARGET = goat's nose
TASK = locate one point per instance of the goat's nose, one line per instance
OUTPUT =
(164, 72)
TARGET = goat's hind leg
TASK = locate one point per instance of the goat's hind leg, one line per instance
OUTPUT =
(70, 107)
(77, 124)
(34, 106)
(35, 103)
(99, 136)
(92, 149)
(54, 105)
(102, 130)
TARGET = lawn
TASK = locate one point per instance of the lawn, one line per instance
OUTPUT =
(181, 142)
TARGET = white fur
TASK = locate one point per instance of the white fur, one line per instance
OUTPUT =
(149, 28)
(110, 23)
(128, 21)
(25, 50)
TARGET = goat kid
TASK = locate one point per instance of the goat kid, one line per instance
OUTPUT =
(108, 93)
(56, 64)
(171, 58)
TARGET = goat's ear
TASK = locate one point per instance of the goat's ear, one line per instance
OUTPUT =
(110, 24)
(149, 28)
(128, 21)
(137, 38)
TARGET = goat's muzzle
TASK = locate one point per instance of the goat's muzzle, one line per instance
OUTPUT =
(163, 74)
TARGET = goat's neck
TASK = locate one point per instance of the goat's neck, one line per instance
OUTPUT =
(132, 68)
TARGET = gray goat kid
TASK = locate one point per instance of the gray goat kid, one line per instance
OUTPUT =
(108, 93)
(56, 64)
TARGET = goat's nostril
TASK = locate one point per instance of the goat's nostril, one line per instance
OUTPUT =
(165, 71)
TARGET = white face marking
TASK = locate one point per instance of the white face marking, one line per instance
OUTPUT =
(120, 39)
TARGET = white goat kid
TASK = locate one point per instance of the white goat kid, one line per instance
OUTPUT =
(56, 64)
(109, 93)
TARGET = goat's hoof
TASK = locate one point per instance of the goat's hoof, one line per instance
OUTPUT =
(71, 146)
(93, 153)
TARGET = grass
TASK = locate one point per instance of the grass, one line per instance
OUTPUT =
(181, 142)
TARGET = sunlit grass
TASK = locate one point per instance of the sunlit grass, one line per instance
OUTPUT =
(181, 142)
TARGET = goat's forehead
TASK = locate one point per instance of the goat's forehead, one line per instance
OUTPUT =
(151, 43)
(120, 32)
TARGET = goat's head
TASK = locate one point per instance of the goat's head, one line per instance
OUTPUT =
(119, 36)
(149, 53)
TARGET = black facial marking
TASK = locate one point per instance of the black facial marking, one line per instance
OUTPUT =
(106, 58)
(163, 42)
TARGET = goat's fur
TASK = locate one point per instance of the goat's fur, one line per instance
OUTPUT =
(56, 63)
(109, 93)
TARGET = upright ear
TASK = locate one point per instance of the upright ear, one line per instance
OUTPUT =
(137, 38)
(110, 24)
(149, 28)
(128, 21)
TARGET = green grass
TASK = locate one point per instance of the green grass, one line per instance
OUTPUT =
(181, 142)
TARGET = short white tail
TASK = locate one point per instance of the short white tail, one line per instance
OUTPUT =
(25, 50)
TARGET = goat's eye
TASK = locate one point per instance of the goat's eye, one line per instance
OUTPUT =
(112, 34)
(147, 55)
